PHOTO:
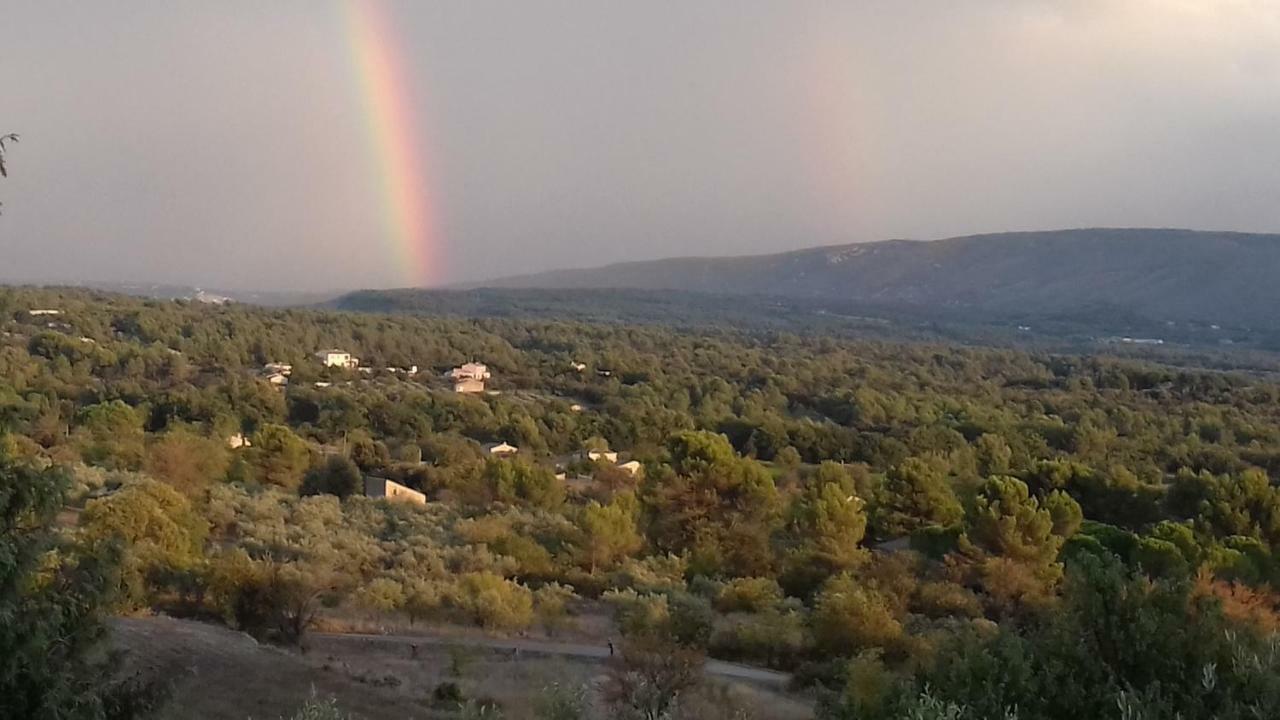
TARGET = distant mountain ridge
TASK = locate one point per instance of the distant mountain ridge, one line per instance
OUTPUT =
(1161, 274)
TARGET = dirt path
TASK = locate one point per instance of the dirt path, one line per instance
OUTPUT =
(548, 647)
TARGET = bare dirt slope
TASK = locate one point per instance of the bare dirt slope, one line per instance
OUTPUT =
(218, 673)
(221, 674)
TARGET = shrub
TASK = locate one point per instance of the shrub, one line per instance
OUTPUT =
(775, 639)
(493, 602)
(945, 599)
(319, 710)
(335, 475)
(447, 694)
(690, 620)
(749, 595)
(638, 614)
(561, 702)
(381, 595)
(648, 679)
(551, 603)
(656, 573)
(848, 617)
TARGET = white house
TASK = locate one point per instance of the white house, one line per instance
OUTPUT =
(631, 468)
(501, 449)
(36, 313)
(237, 441)
(468, 385)
(337, 358)
(376, 487)
(598, 455)
(273, 368)
(469, 371)
(579, 366)
(278, 379)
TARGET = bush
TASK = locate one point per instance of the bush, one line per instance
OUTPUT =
(945, 599)
(775, 639)
(936, 541)
(480, 709)
(493, 602)
(690, 620)
(561, 702)
(319, 710)
(335, 475)
(656, 573)
(848, 617)
(551, 604)
(638, 614)
(381, 595)
(279, 601)
(749, 595)
(447, 694)
(647, 680)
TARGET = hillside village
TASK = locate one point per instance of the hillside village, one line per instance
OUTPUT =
(341, 368)
(469, 378)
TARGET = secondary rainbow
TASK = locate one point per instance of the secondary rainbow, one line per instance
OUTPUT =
(409, 220)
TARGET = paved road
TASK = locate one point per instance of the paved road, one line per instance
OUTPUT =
(547, 647)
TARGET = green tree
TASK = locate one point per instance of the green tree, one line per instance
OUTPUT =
(335, 475)
(187, 461)
(916, 494)
(159, 529)
(54, 600)
(1246, 504)
(1066, 513)
(994, 455)
(1008, 522)
(1119, 646)
(110, 434)
(279, 456)
(519, 482)
(827, 527)
(607, 533)
(720, 507)
(368, 454)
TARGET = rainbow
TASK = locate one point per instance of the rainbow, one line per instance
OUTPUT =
(409, 220)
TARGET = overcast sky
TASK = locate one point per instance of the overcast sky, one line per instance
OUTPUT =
(224, 144)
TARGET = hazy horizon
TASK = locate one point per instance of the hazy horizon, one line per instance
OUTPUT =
(241, 146)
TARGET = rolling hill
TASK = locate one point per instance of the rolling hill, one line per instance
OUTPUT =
(1160, 275)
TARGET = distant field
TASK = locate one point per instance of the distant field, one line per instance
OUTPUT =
(219, 674)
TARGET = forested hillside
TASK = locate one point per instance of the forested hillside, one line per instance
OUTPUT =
(919, 530)
(1158, 275)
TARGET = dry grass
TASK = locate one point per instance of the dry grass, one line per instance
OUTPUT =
(220, 674)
